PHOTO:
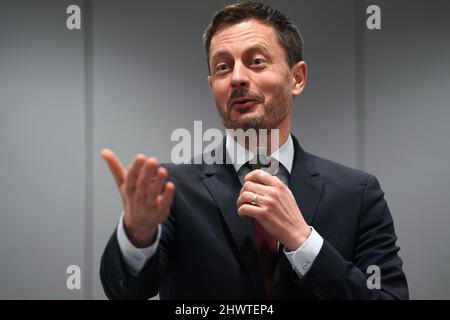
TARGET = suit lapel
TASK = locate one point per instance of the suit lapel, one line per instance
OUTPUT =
(224, 186)
(307, 190)
(304, 183)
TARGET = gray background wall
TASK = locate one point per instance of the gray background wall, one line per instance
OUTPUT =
(376, 100)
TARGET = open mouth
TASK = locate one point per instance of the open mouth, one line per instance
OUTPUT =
(244, 103)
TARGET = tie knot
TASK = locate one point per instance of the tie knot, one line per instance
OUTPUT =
(259, 161)
(268, 164)
(262, 161)
(271, 166)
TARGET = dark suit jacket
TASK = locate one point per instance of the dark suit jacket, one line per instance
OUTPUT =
(207, 251)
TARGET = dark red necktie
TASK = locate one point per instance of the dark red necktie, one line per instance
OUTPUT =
(267, 250)
(266, 245)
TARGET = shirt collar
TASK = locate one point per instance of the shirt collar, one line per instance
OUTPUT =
(284, 155)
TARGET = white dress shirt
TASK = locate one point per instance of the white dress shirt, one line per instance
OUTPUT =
(300, 259)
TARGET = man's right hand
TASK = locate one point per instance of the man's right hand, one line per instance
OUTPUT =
(145, 194)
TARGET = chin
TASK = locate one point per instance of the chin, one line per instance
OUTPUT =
(245, 125)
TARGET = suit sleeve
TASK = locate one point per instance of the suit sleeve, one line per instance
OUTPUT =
(333, 277)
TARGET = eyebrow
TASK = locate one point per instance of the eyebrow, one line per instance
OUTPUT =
(219, 54)
(255, 48)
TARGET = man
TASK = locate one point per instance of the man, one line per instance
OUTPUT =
(313, 230)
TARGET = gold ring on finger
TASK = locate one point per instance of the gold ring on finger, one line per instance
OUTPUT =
(254, 198)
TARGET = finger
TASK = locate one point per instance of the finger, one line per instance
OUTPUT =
(115, 166)
(244, 197)
(255, 188)
(248, 210)
(160, 179)
(247, 197)
(262, 177)
(165, 200)
(133, 172)
(147, 171)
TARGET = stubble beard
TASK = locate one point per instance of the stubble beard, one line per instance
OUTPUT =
(272, 115)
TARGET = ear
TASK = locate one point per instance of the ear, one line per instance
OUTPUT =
(299, 73)
(210, 82)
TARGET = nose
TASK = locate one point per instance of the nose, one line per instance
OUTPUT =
(239, 77)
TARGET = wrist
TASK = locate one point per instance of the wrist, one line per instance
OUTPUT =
(140, 237)
(299, 239)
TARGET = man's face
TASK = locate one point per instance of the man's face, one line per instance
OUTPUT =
(251, 81)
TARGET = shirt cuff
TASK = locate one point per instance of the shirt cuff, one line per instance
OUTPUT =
(135, 258)
(302, 258)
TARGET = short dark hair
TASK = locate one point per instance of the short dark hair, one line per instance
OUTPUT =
(288, 34)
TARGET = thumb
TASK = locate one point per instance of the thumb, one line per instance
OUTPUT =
(115, 166)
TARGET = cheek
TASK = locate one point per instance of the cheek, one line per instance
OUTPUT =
(269, 88)
(220, 93)
(270, 85)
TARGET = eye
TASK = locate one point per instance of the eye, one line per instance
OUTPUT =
(258, 61)
(222, 67)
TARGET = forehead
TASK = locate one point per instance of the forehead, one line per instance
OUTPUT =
(244, 34)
